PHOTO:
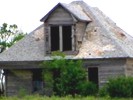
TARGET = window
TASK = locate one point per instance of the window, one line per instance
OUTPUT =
(61, 38)
(37, 80)
(54, 38)
(93, 75)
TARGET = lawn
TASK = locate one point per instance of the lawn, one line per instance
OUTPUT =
(36, 97)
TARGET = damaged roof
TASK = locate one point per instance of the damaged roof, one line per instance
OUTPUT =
(102, 38)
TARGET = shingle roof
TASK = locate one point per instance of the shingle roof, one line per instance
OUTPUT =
(102, 39)
(30, 48)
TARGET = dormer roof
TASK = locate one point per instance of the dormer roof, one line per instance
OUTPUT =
(74, 9)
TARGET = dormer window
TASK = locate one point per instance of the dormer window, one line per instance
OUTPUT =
(64, 28)
(61, 38)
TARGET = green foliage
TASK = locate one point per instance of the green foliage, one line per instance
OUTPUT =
(37, 97)
(67, 77)
(103, 91)
(88, 88)
(22, 92)
(9, 34)
(120, 87)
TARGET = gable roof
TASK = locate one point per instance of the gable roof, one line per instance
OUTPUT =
(74, 10)
(102, 39)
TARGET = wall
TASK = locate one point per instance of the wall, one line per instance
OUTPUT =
(16, 80)
(107, 68)
(129, 67)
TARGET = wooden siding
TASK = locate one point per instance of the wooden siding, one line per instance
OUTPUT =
(16, 80)
(129, 67)
(60, 16)
(107, 68)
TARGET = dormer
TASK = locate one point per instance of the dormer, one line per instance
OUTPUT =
(64, 26)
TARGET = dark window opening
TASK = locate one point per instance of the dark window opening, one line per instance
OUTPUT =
(93, 75)
(37, 80)
(67, 41)
(54, 38)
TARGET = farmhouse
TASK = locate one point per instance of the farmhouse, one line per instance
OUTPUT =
(81, 32)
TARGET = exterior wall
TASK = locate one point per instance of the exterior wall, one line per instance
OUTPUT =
(129, 67)
(107, 68)
(17, 80)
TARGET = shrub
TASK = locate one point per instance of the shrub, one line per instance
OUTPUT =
(103, 91)
(69, 77)
(120, 87)
(88, 88)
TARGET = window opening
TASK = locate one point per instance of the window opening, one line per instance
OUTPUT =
(67, 41)
(93, 75)
(37, 80)
(61, 38)
(54, 38)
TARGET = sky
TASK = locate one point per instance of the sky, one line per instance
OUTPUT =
(27, 13)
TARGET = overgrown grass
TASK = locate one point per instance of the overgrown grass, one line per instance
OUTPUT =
(37, 97)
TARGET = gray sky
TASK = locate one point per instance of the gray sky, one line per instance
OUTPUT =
(27, 13)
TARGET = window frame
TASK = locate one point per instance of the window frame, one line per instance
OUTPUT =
(73, 48)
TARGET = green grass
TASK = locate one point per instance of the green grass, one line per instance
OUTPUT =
(36, 97)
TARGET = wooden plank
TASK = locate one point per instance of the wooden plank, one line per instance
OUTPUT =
(60, 16)
(61, 38)
(17, 79)
(73, 39)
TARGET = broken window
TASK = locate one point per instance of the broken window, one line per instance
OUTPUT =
(93, 75)
(61, 38)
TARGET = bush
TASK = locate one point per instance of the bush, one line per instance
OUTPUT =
(68, 77)
(88, 88)
(120, 87)
(103, 91)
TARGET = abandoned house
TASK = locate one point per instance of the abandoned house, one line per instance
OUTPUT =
(81, 32)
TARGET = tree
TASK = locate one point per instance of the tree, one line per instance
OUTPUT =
(9, 34)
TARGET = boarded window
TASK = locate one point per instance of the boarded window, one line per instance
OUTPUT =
(93, 75)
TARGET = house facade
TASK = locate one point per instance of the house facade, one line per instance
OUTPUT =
(81, 32)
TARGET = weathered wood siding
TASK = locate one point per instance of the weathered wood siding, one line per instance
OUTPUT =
(60, 16)
(129, 67)
(16, 80)
(107, 68)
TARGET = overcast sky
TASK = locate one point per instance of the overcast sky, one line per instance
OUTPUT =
(27, 13)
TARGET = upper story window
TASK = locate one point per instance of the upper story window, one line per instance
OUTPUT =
(64, 29)
(61, 38)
